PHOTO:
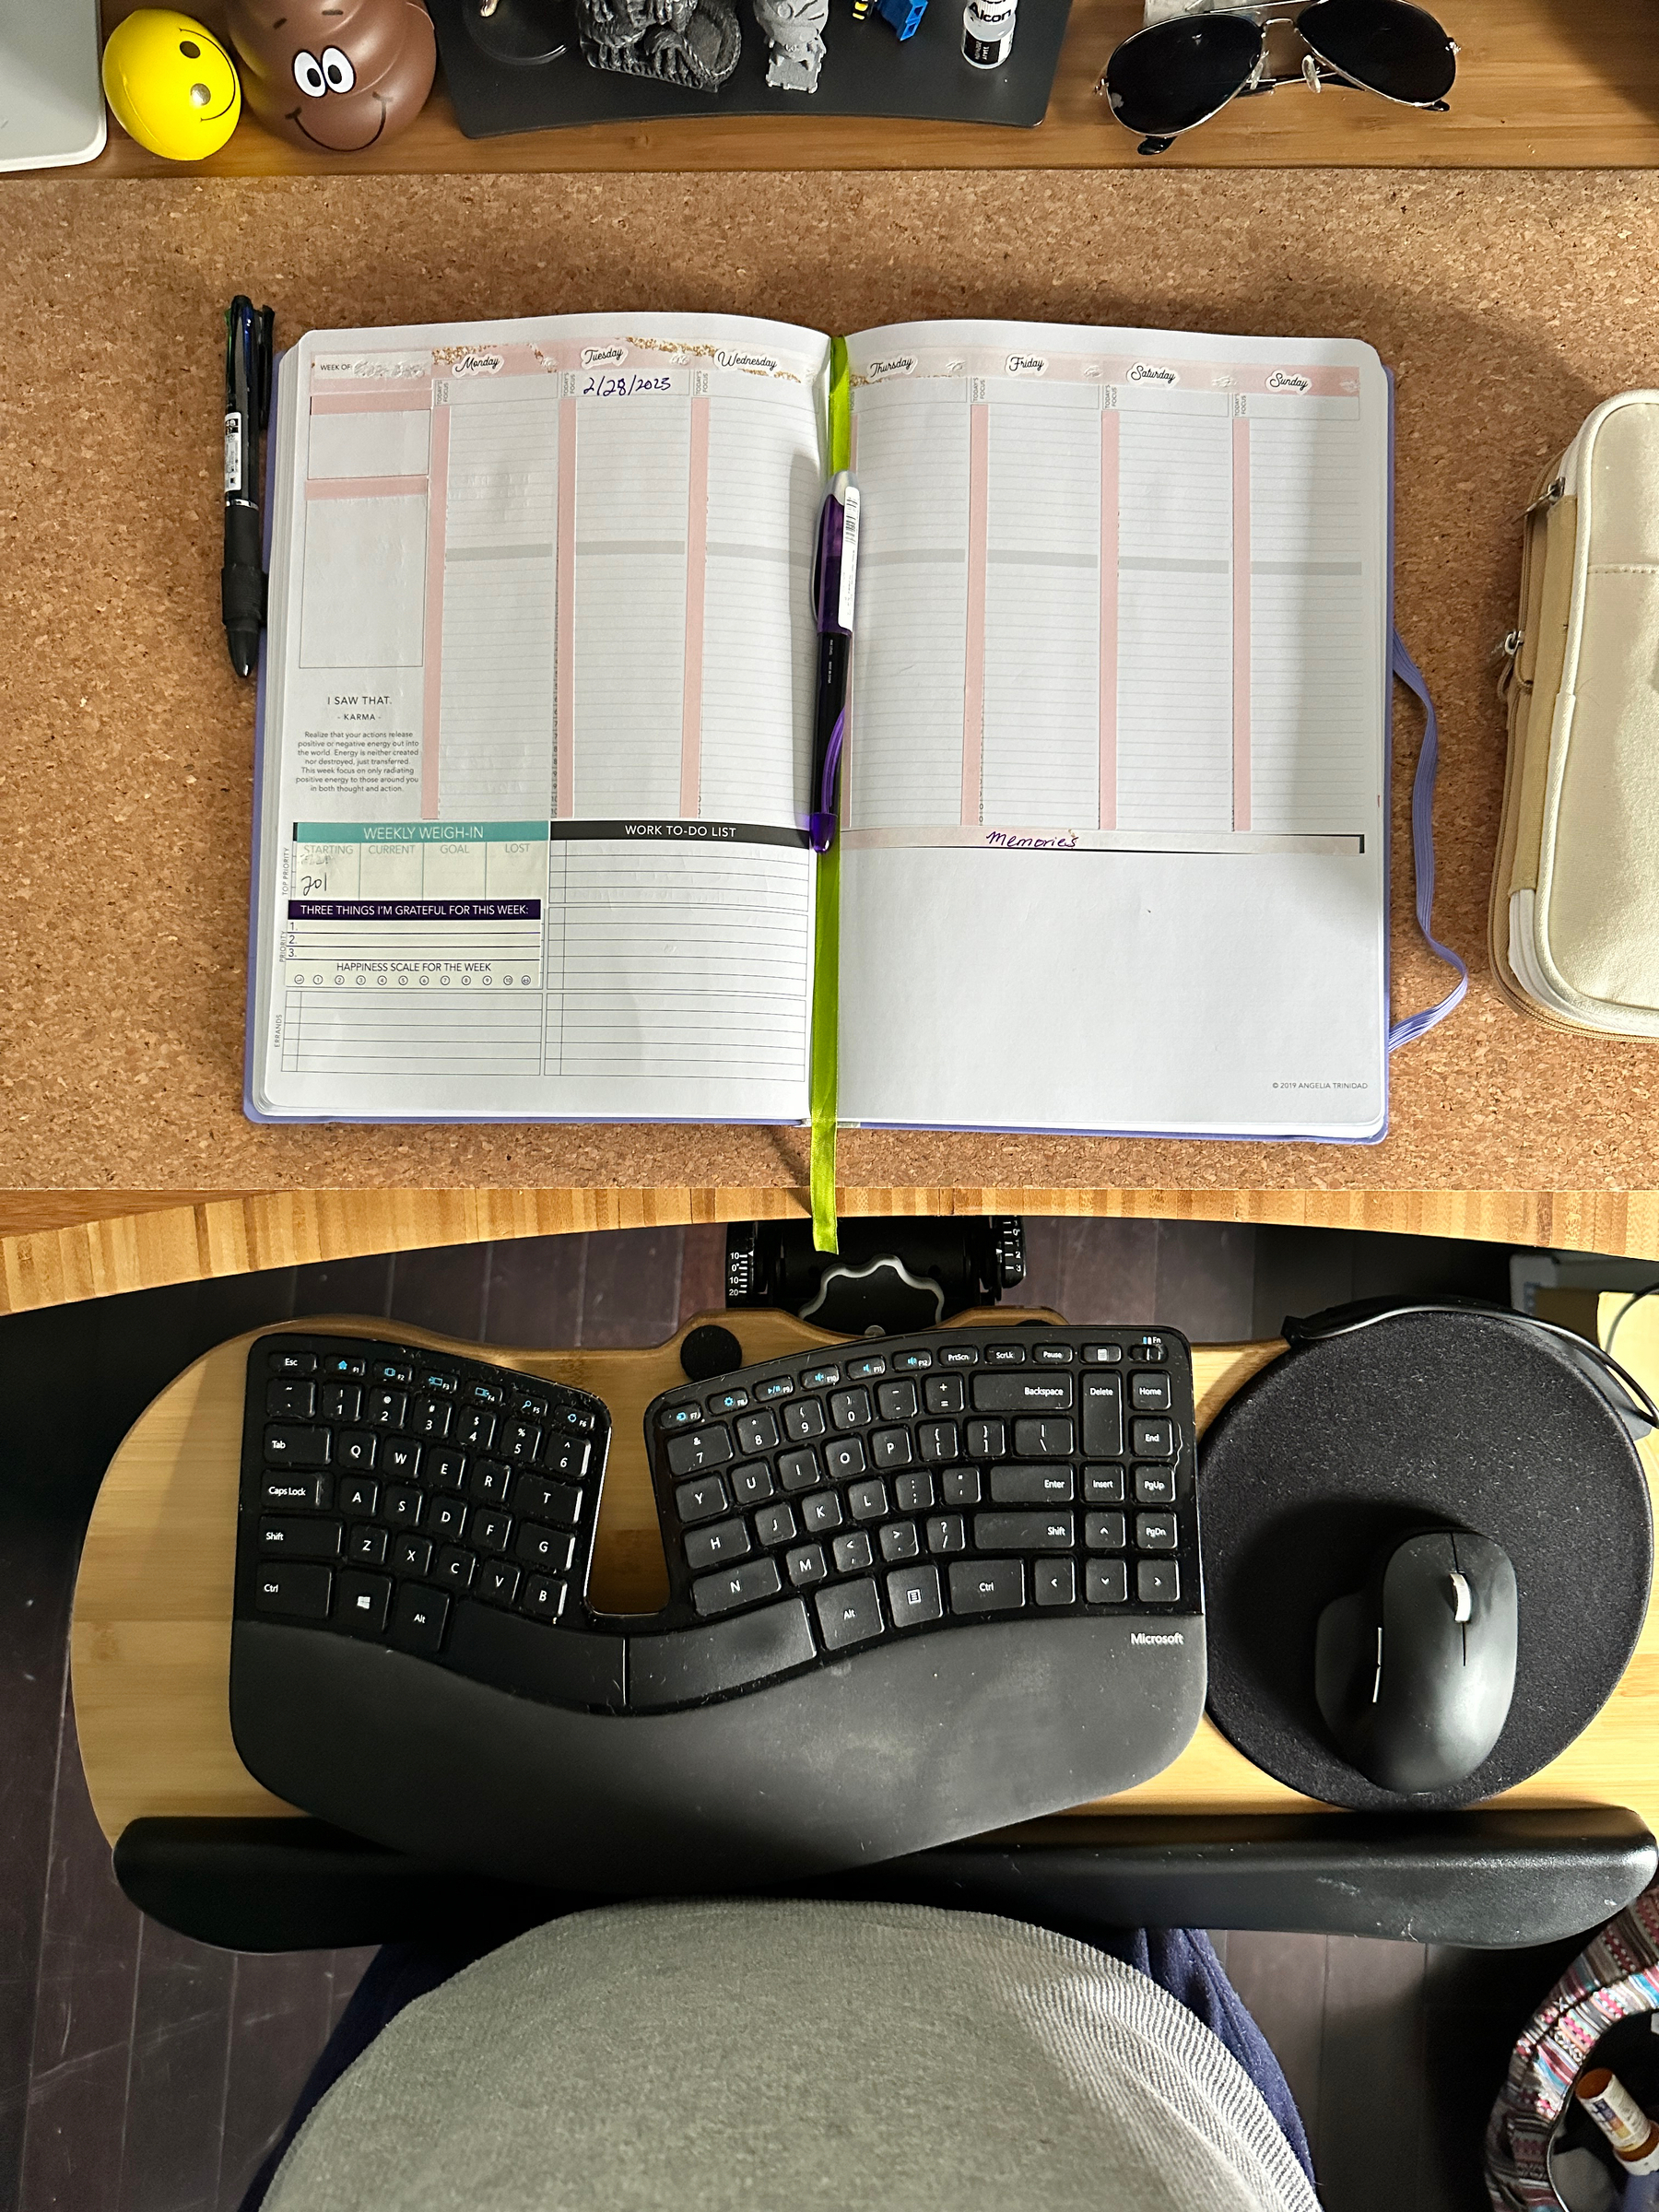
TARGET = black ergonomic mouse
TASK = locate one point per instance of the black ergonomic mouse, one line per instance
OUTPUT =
(1414, 1672)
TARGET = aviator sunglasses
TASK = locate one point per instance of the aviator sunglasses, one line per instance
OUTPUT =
(1173, 75)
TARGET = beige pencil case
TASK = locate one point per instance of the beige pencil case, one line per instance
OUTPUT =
(1575, 892)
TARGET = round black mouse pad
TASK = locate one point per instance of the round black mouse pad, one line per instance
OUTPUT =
(1340, 1448)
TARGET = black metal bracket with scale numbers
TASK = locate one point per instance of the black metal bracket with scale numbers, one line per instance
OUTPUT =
(917, 1589)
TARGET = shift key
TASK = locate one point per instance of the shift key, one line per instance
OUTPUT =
(1102, 1415)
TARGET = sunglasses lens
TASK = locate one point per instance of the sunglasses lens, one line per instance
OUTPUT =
(1384, 45)
(1174, 75)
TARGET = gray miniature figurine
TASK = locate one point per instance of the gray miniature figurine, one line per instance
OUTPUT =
(689, 43)
(795, 32)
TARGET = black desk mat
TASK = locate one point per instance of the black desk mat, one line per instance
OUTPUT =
(867, 71)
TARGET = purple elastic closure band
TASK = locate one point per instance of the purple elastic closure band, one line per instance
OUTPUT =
(1422, 855)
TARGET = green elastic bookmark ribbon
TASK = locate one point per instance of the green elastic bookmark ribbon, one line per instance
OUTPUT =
(826, 954)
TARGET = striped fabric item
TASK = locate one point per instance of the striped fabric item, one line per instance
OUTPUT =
(1613, 1977)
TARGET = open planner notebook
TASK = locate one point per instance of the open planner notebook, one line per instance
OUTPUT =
(537, 728)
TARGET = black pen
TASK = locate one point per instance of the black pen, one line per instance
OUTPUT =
(247, 409)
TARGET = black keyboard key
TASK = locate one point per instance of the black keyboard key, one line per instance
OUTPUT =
(418, 1618)
(341, 1401)
(960, 1485)
(1152, 1440)
(775, 1524)
(483, 1393)
(1022, 1532)
(288, 1447)
(913, 1597)
(945, 1533)
(342, 1367)
(1103, 1355)
(550, 1549)
(457, 1567)
(1149, 1391)
(913, 1493)
(543, 1598)
(958, 1354)
(1155, 1486)
(1030, 1486)
(491, 1481)
(1150, 1350)
(868, 1501)
(489, 1532)
(803, 1420)
(708, 1447)
(944, 1394)
(292, 1363)
(1102, 1401)
(474, 1427)
(675, 1418)
(897, 1401)
(447, 1521)
(987, 1587)
(704, 1501)
(850, 1408)
(366, 1546)
(566, 1456)
(891, 1448)
(731, 1399)
(844, 1457)
(853, 1552)
(280, 1492)
(354, 1449)
(1102, 1485)
(440, 1379)
(727, 1654)
(1043, 1439)
(363, 1602)
(431, 1418)
(807, 1565)
(820, 1512)
(390, 1370)
(292, 1401)
(387, 1408)
(899, 1541)
(556, 1501)
(734, 1586)
(499, 1583)
(1106, 1582)
(302, 1590)
(915, 1361)
(1004, 1354)
(800, 1470)
(1156, 1531)
(1052, 1355)
(717, 1546)
(820, 1377)
(519, 1443)
(939, 1441)
(758, 1433)
(572, 1668)
(300, 1539)
(751, 1483)
(1157, 1581)
(1023, 1394)
(412, 1555)
(775, 1386)
(1104, 1532)
(987, 1440)
(866, 1369)
(446, 1470)
(1055, 1581)
(849, 1613)
(400, 1461)
(402, 1507)
(358, 1494)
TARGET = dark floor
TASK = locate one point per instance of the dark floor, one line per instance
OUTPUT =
(141, 2073)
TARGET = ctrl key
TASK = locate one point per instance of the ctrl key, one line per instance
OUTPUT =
(304, 1592)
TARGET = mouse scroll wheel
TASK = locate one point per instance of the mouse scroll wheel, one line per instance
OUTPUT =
(1462, 1600)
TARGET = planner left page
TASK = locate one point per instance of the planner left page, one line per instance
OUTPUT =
(535, 724)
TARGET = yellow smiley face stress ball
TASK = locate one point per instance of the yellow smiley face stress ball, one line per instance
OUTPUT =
(170, 83)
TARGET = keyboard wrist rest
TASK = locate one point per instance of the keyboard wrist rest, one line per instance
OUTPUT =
(899, 1748)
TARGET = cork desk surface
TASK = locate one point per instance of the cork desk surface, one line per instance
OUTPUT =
(150, 1641)
(1507, 303)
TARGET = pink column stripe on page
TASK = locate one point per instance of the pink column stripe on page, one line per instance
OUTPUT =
(433, 686)
(564, 642)
(973, 657)
(1109, 616)
(697, 575)
(1240, 621)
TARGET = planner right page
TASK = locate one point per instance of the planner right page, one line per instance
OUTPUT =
(1115, 795)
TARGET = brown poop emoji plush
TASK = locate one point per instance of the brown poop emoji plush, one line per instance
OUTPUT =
(341, 77)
